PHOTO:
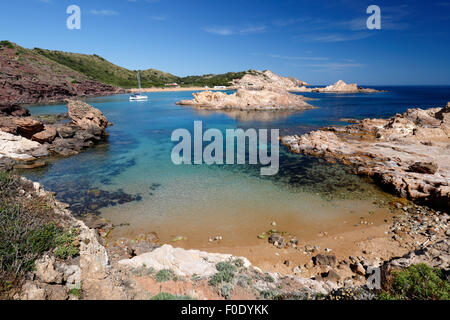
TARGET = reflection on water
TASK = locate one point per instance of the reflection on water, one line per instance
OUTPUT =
(130, 177)
(246, 116)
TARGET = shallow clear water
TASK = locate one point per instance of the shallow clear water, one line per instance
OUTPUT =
(131, 178)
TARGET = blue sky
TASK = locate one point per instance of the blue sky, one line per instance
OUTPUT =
(316, 41)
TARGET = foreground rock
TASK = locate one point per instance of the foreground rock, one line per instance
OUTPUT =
(339, 87)
(409, 153)
(182, 262)
(248, 100)
(88, 126)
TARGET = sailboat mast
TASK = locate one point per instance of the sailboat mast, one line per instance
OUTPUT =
(139, 82)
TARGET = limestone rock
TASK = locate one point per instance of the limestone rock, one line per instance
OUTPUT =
(45, 270)
(182, 262)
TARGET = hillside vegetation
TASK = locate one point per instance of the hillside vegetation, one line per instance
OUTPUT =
(99, 69)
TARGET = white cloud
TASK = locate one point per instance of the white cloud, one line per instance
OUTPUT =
(297, 57)
(228, 31)
(159, 18)
(104, 12)
(339, 37)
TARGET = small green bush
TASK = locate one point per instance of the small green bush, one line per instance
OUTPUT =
(225, 266)
(76, 292)
(164, 275)
(418, 282)
(6, 44)
(168, 296)
(221, 277)
(66, 247)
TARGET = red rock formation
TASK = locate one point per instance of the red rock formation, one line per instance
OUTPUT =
(27, 77)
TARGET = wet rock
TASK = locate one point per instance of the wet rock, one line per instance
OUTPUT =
(325, 260)
(276, 237)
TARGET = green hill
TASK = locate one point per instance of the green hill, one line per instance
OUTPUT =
(99, 69)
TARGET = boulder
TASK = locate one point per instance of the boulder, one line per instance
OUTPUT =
(325, 260)
(87, 117)
(46, 136)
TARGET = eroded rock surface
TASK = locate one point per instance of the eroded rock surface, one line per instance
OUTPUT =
(245, 99)
(409, 153)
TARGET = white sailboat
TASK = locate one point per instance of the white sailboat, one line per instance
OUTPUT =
(138, 96)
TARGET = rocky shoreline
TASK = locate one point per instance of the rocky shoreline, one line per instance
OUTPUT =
(142, 268)
(408, 154)
(26, 140)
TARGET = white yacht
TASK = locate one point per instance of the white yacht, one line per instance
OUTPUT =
(138, 96)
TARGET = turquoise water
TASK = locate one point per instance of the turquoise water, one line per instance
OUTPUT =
(131, 179)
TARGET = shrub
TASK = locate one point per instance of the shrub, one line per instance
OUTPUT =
(225, 266)
(76, 292)
(6, 44)
(418, 282)
(221, 277)
(168, 296)
(164, 275)
(66, 246)
(28, 228)
(226, 290)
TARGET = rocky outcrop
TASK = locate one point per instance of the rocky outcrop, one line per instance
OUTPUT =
(256, 91)
(16, 147)
(25, 127)
(88, 126)
(338, 87)
(247, 100)
(13, 110)
(409, 153)
(267, 80)
(87, 118)
(27, 77)
(182, 262)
